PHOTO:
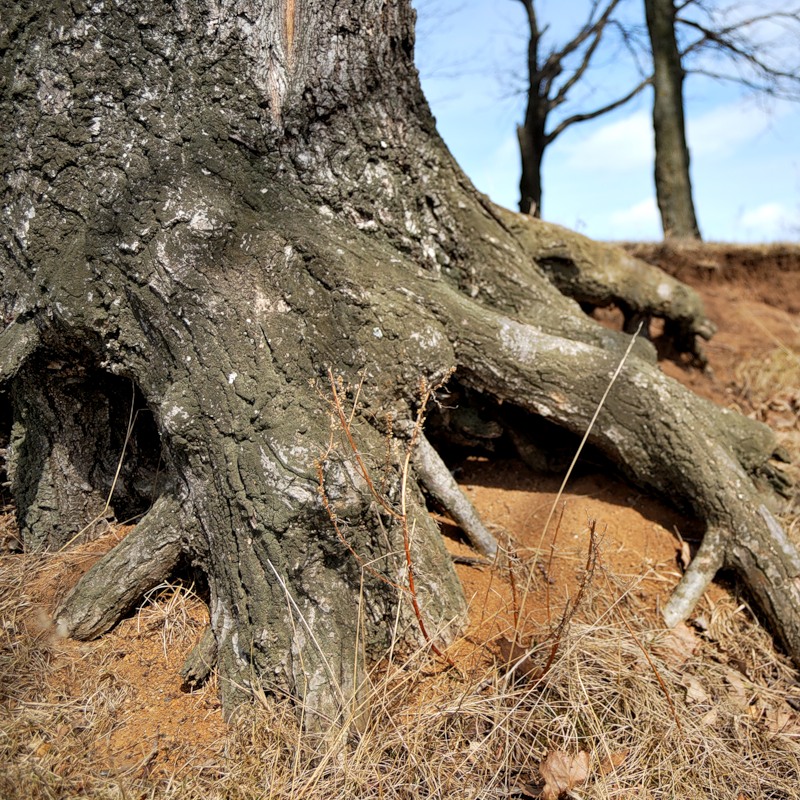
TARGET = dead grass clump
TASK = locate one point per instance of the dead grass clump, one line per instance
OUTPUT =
(622, 710)
(64, 706)
(771, 383)
(769, 391)
(50, 738)
(166, 609)
(614, 722)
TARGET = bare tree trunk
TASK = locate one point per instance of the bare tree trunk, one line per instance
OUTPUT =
(255, 201)
(531, 134)
(673, 183)
(531, 139)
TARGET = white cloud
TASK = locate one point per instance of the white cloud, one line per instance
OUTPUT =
(625, 144)
(638, 221)
(498, 174)
(768, 222)
(724, 129)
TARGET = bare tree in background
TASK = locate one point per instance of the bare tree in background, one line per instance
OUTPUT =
(719, 40)
(723, 42)
(552, 76)
(673, 183)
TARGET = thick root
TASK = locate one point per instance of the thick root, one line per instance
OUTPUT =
(598, 275)
(666, 438)
(763, 555)
(113, 586)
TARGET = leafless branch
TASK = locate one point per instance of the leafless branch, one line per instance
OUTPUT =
(579, 71)
(756, 72)
(589, 29)
(575, 118)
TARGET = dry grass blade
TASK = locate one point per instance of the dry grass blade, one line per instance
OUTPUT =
(424, 735)
(164, 608)
(400, 515)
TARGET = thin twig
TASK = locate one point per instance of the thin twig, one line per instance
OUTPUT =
(426, 393)
(346, 429)
(401, 516)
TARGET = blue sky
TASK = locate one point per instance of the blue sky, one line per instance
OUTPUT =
(598, 175)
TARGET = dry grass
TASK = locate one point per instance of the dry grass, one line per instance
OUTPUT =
(704, 712)
(660, 715)
(769, 390)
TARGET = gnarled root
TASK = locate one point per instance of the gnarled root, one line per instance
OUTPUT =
(761, 553)
(666, 438)
(113, 586)
(598, 275)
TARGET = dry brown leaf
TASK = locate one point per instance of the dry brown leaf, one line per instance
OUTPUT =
(685, 555)
(709, 719)
(514, 656)
(528, 790)
(679, 645)
(738, 694)
(562, 772)
(695, 691)
(612, 761)
(782, 719)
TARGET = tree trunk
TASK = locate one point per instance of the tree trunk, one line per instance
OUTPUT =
(531, 134)
(210, 212)
(531, 148)
(673, 183)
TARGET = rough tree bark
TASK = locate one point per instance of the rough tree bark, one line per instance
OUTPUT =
(673, 182)
(209, 206)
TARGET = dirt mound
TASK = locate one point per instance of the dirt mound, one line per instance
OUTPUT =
(767, 273)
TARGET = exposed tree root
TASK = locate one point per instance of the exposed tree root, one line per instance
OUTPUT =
(598, 275)
(117, 582)
(664, 437)
(200, 661)
(758, 550)
(436, 478)
(707, 561)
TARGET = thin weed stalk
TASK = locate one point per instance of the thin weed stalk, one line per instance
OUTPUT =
(578, 452)
(400, 516)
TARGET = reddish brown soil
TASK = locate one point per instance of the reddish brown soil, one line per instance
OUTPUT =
(133, 672)
(754, 297)
(752, 294)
